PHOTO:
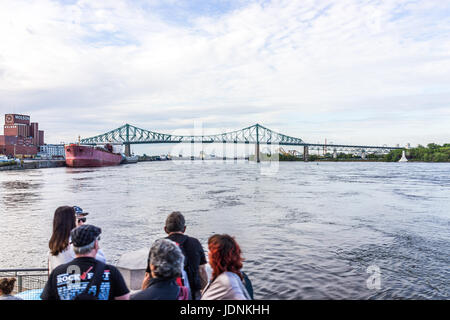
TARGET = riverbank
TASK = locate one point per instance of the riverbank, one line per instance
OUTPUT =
(35, 164)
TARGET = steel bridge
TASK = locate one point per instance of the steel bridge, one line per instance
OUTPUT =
(256, 134)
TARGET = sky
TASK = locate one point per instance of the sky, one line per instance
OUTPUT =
(352, 72)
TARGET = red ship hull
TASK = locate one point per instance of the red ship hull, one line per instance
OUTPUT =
(85, 156)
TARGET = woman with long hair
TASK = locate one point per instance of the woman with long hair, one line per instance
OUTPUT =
(61, 251)
(225, 259)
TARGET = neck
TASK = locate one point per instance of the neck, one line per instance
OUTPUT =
(176, 232)
(91, 254)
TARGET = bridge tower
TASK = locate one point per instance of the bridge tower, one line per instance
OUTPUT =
(127, 144)
(257, 144)
(305, 153)
(127, 150)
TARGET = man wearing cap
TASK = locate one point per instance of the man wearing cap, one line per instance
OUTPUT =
(71, 280)
(80, 215)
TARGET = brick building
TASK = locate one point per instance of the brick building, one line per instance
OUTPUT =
(21, 137)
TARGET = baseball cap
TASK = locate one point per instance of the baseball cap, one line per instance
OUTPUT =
(79, 211)
(84, 235)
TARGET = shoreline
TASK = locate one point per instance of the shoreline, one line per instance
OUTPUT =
(35, 164)
(42, 164)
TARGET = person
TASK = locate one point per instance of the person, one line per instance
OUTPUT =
(195, 260)
(227, 281)
(166, 262)
(85, 276)
(6, 287)
(65, 219)
(80, 215)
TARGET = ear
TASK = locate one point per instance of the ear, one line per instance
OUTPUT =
(165, 229)
(184, 230)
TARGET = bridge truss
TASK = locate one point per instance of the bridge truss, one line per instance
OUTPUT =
(128, 134)
(256, 134)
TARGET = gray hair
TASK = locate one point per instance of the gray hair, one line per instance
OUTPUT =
(85, 249)
(166, 258)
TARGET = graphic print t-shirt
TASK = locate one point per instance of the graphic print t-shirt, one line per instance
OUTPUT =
(70, 279)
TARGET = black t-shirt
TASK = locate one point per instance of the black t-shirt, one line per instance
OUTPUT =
(70, 279)
(194, 255)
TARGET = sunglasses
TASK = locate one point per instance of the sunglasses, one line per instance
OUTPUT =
(82, 220)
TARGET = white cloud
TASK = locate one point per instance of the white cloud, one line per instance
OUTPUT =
(90, 66)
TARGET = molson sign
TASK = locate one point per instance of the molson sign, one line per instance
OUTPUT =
(17, 118)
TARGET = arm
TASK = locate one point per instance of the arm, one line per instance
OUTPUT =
(203, 275)
(124, 297)
(48, 292)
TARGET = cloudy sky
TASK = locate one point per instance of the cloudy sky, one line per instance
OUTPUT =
(350, 71)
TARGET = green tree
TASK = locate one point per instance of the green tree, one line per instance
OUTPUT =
(433, 146)
(440, 157)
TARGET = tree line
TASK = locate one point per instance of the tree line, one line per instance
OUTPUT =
(431, 153)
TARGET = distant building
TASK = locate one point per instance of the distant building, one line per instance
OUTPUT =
(51, 151)
(21, 138)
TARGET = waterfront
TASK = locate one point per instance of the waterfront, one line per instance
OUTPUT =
(308, 230)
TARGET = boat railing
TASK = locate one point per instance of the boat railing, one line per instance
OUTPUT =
(26, 279)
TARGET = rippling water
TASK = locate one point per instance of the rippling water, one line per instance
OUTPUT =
(307, 230)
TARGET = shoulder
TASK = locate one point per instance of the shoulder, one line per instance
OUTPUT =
(193, 242)
(113, 271)
(231, 278)
(146, 294)
(62, 268)
(227, 280)
(111, 267)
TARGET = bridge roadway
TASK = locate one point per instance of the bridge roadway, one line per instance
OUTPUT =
(256, 134)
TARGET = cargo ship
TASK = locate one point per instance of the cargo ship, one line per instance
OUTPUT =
(89, 156)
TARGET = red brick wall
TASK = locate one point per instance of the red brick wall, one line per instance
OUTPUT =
(11, 130)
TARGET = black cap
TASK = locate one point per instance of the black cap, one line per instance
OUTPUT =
(79, 211)
(84, 235)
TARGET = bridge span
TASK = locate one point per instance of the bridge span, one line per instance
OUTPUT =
(255, 134)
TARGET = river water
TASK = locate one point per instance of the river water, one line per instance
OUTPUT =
(308, 231)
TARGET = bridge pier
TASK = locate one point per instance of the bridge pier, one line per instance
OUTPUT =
(127, 150)
(257, 152)
(224, 156)
(305, 153)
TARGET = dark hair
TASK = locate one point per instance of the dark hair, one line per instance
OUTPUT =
(7, 285)
(175, 222)
(63, 223)
(224, 255)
